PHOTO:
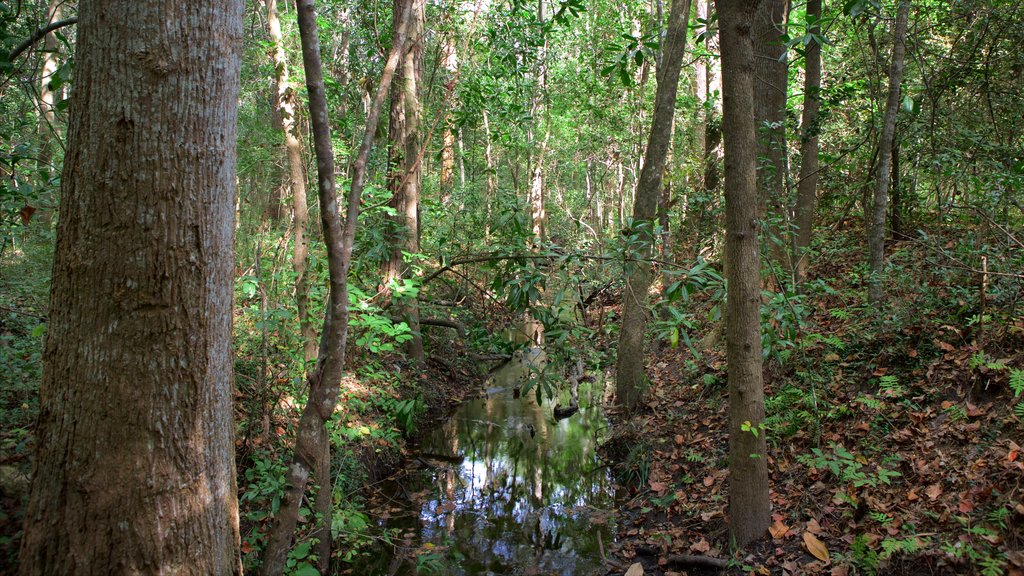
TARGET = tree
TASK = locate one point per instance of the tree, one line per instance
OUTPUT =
(630, 379)
(749, 505)
(47, 96)
(771, 79)
(405, 159)
(876, 233)
(807, 185)
(134, 469)
(285, 102)
(312, 448)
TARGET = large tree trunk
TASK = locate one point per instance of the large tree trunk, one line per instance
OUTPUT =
(807, 187)
(876, 234)
(749, 505)
(771, 80)
(406, 176)
(286, 115)
(630, 381)
(134, 470)
(324, 383)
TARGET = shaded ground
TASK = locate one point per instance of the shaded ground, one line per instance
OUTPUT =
(893, 444)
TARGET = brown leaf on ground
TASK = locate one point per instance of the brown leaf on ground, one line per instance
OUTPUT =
(701, 546)
(778, 529)
(636, 569)
(815, 547)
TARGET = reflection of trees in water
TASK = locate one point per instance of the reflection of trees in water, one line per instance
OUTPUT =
(520, 500)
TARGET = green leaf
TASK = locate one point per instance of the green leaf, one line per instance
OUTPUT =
(305, 569)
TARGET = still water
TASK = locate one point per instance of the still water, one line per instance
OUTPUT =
(507, 489)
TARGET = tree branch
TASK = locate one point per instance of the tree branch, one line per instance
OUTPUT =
(38, 34)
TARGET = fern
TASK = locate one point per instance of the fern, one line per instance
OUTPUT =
(1017, 382)
(1019, 410)
(890, 385)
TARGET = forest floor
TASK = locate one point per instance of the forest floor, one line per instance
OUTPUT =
(893, 444)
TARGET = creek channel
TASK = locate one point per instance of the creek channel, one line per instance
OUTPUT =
(504, 487)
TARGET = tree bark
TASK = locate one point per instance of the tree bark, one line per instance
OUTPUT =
(286, 105)
(807, 187)
(630, 381)
(134, 469)
(749, 505)
(406, 176)
(876, 234)
(325, 381)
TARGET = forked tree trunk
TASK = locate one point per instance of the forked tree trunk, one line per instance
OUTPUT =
(406, 176)
(749, 505)
(134, 466)
(630, 380)
(807, 187)
(286, 103)
(876, 234)
(324, 383)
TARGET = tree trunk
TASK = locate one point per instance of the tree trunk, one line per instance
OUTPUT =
(286, 114)
(47, 127)
(492, 177)
(325, 381)
(630, 381)
(406, 176)
(749, 505)
(134, 469)
(535, 195)
(876, 234)
(450, 61)
(771, 80)
(807, 187)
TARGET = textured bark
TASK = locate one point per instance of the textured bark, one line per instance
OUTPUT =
(770, 86)
(406, 177)
(630, 381)
(134, 468)
(807, 187)
(876, 233)
(749, 505)
(286, 104)
(324, 382)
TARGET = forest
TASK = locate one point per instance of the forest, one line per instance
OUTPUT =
(524, 287)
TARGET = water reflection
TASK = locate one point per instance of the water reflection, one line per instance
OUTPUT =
(513, 491)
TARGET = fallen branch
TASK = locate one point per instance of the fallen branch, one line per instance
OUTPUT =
(702, 561)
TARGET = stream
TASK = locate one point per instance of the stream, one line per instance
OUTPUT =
(504, 488)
